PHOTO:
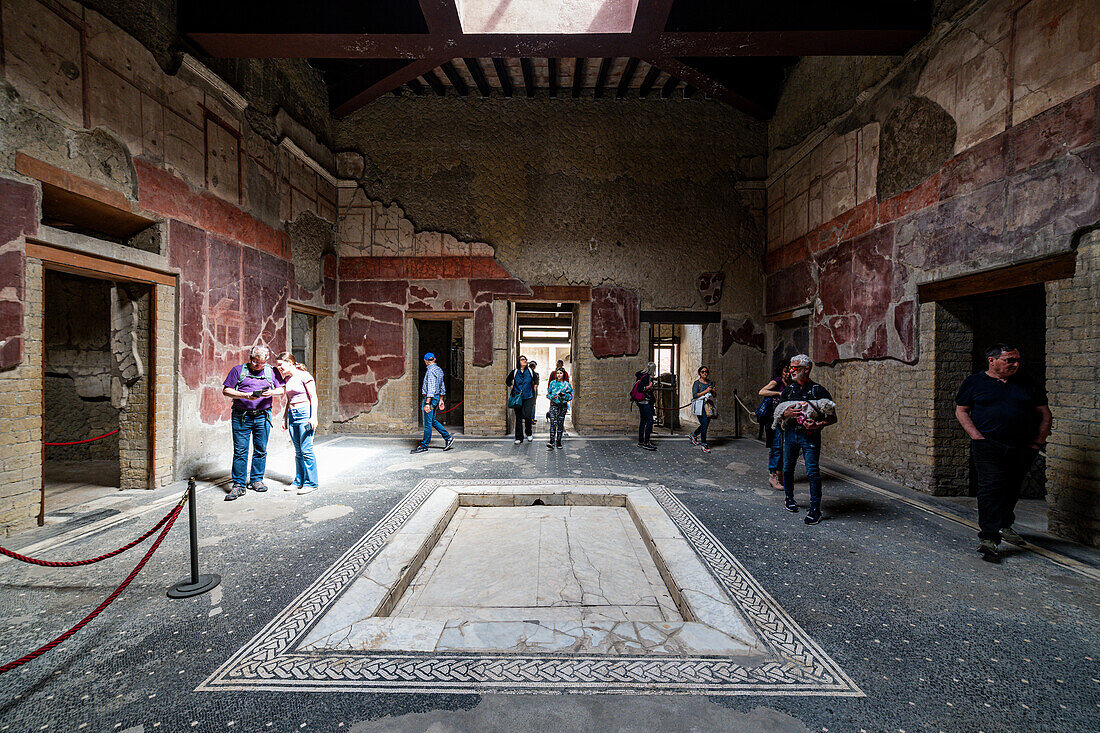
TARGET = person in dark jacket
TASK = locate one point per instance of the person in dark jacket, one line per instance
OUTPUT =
(1008, 421)
(774, 438)
(521, 384)
(645, 385)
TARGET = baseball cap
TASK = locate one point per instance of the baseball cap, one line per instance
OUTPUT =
(429, 355)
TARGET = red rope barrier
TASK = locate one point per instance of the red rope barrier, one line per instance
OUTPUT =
(110, 599)
(78, 563)
(444, 412)
(89, 440)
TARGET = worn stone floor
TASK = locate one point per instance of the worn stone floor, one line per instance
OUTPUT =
(888, 586)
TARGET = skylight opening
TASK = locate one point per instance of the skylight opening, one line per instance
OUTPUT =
(547, 16)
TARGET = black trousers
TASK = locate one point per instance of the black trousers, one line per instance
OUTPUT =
(525, 418)
(1000, 470)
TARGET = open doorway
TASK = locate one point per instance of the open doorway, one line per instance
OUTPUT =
(443, 339)
(95, 388)
(965, 328)
(544, 334)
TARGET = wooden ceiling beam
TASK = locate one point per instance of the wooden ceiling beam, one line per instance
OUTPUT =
(578, 77)
(648, 81)
(528, 75)
(552, 76)
(435, 82)
(825, 42)
(457, 82)
(669, 87)
(503, 76)
(373, 89)
(690, 75)
(627, 77)
(474, 67)
(601, 78)
(441, 17)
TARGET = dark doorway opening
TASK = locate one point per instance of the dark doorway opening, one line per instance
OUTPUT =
(965, 329)
(445, 341)
(95, 383)
(544, 334)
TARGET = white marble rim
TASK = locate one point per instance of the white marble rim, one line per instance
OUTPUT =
(795, 664)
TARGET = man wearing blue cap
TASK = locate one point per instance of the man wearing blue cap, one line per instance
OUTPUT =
(432, 391)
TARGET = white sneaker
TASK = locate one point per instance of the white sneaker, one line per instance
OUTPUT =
(291, 487)
(306, 490)
(517, 442)
(530, 438)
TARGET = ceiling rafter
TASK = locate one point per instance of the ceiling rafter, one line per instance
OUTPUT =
(474, 67)
(392, 44)
(503, 77)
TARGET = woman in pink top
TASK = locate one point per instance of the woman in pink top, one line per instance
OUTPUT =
(300, 419)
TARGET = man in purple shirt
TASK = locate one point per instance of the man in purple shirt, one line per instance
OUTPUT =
(251, 386)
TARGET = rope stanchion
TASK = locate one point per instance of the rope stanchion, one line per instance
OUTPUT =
(89, 440)
(80, 563)
(196, 584)
(108, 601)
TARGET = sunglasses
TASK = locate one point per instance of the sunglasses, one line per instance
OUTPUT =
(704, 371)
(1011, 360)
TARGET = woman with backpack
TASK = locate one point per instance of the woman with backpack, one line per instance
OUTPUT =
(559, 392)
(521, 398)
(300, 419)
(702, 391)
(773, 438)
(642, 394)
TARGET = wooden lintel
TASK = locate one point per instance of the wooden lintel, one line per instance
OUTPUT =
(313, 310)
(557, 294)
(1035, 272)
(78, 263)
(788, 315)
(439, 315)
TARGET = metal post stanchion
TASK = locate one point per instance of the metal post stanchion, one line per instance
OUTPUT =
(196, 584)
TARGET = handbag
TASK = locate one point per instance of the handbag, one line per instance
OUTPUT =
(764, 411)
(515, 399)
(710, 407)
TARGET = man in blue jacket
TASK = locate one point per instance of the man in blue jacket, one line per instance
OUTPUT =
(432, 391)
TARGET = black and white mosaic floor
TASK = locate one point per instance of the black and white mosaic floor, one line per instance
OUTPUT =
(882, 618)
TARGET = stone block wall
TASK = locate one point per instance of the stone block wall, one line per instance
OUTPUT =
(21, 411)
(486, 407)
(1073, 356)
(133, 417)
(163, 384)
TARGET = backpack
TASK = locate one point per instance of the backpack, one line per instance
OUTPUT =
(636, 394)
(764, 411)
(268, 375)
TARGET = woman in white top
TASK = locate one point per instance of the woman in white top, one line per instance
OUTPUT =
(300, 419)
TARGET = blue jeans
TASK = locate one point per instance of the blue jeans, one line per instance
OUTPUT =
(301, 434)
(430, 422)
(810, 446)
(701, 431)
(775, 452)
(256, 428)
(645, 422)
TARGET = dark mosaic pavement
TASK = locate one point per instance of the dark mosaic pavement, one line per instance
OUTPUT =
(937, 639)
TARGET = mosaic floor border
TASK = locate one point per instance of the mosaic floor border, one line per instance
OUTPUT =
(796, 664)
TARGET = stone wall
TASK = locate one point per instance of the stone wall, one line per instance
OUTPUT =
(133, 416)
(1073, 371)
(978, 150)
(79, 369)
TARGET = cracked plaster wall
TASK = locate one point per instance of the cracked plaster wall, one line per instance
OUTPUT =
(1020, 181)
(172, 145)
(638, 197)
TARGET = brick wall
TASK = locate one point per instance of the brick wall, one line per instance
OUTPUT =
(163, 387)
(133, 418)
(1073, 373)
(21, 411)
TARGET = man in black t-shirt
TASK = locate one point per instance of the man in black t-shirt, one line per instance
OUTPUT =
(804, 438)
(1008, 421)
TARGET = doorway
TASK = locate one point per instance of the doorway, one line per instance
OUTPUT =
(544, 334)
(965, 329)
(95, 388)
(441, 338)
